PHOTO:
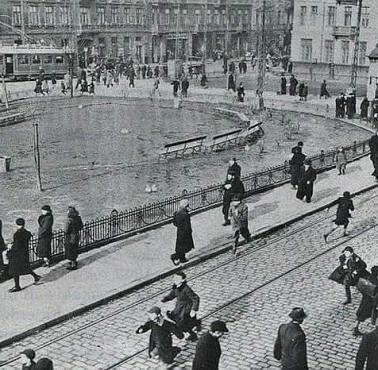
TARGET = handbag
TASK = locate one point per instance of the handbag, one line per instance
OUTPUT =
(366, 287)
(338, 275)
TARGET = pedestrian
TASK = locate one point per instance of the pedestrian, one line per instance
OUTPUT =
(44, 364)
(305, 92)
(241, 93)
(3, 248)
(367, 351)
(27, 359)
(227, 197)
(19, 263)
(350, 106)
(149, 72)
(156, 71)
(45, 222)
(234, 167)
(203, 81)
(231, 83)
(84, 87)
(184, 239)
(293, 85)
(208, 349)
(160, 345)
(187, 304)
(301, 91)
(369, 303)
(296, 164)
(176, 86)
(63, 87)
(184, 87)
(144, 71)
(92, 88)
(373, 145)
(38, 87)
(283, 85)
(345, 204)
(307, 177)
(341, 160)
(72, 229)
(364, 107)
(53, 81)
(290, 346)
(323, 90)
(131, 77)
(238, 214)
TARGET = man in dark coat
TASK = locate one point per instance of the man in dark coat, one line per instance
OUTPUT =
(323, 90)
(2, 249)
(364, 107)
(306, 180)
(208, 350)
(27, 359)
(350, 105)
(176, 85)
(368, 351)
(160, 344)
(296, 163)
(184, 240)
(234, 167)
(368, 306)
(45, 221)
(373, 145)
(184, 87)
(345, 204)
(187, 305)
(293, 85)
(72, 236)
(283, 85)
(227, 197)
(231, 82)
(19, 256)
(290, 346)
(241, 93)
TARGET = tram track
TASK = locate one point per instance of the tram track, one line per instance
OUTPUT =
(242, 254)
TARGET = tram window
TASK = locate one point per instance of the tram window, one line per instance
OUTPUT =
(36, 59)
(23, 59)
(59, 59)
(47, 59)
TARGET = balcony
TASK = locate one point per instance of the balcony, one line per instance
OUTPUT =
(344, 31)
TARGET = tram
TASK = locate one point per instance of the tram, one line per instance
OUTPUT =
(22, 62)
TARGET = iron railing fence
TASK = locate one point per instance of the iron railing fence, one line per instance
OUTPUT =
(118, 224)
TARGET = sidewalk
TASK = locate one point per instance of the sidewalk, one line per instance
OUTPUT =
(111, 269)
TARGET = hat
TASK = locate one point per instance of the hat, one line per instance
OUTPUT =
(218, 325)
(44, 364)
(374, 270)
(300, 143)
(346, 194)
(181, 274)
(20, 222)
(297, 313)
(184, 203)
(308, 162)
(156, 310)
(29, 353)
(46, 208)
(348, 249)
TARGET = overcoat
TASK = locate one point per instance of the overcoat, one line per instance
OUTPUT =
(367, 304)
(208, 353)
(19, 256)
(303, 187)
(184, 240)
(368, 351)
(44, 235)
(373, 145)
(186, 300)
(72, 235)
(342, 213)
(161, 339)
(290, 347)
(355, 268)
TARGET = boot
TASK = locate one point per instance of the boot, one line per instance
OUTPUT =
(356, 332)
(325, 236)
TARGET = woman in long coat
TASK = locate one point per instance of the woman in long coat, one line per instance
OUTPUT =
(45, 221)
(72, 236)
(341, 160)
(184, 239)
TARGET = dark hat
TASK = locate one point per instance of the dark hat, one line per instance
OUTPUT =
(46, 208)
(348, 249)
(44, 364)
(20, 222)
(297, 313)
(156, 310)
(181, 274)
(218, 325)
(346, 194)
(29, 353)
(374, 270)
(300, 143)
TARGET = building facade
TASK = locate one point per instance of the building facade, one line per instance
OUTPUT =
(147, 30)
(323, 37)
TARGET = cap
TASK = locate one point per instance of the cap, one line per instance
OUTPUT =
(46, 208)
(374, 270)
(156, 310)
(218, 325)
(184, 203)
(44, 364)
(300, 143)
(29, 353)
(297, 313)
(20, 222)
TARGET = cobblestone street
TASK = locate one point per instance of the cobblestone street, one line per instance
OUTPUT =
(272, 275)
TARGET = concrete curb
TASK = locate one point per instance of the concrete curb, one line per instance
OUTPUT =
(223, 249)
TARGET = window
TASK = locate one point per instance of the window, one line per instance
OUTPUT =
(329, 51)
(362, 53)
(114, 13)
(303, 14)
(47, 59)
(331, 17)
(139, 16)
(64, 13)
(23, 59)
(184, 16)
(365, 17)
(209, 17)
(114, 47)
(16, 15)
(33, 15)
(127, 15)
(84, 16)
(36, 59)
(166, 16)
(306, 46)
(224, 18)
(100, 11)
(59, 59)
(197, 16)
(314, 10)
(348, 16)
(216, 16)
(279, 17)
(345, 52)
(49, 16)
(246, 17)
